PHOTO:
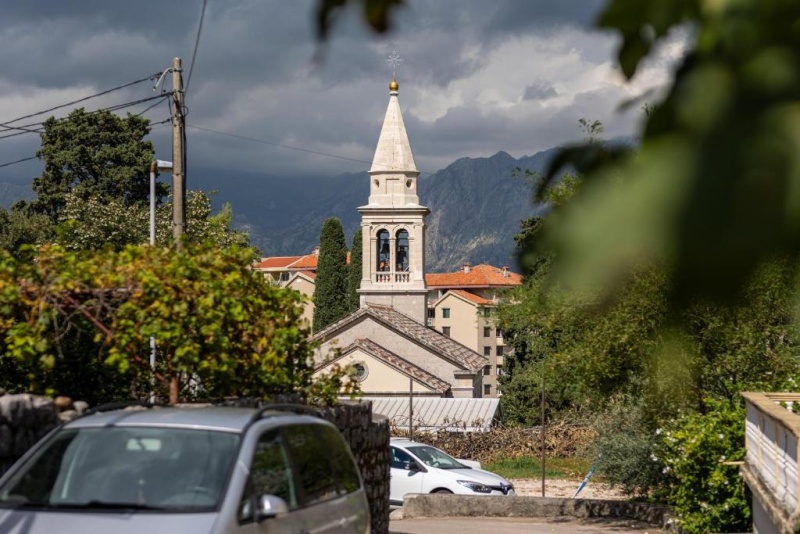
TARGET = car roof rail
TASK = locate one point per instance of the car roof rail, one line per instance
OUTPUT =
(119, 405)
(285, 407)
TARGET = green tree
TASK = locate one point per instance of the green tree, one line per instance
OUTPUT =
(93, 154)
(354, 273)
(18, 227)
(221, 329)
(330, 291)
(91, 224)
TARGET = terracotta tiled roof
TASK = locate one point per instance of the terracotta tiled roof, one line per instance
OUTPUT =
(305, 263)
(479, 276)
(472, 297)
(389, 357)
(277, 262)
(436, 341)
(294, 263)
(310, 274)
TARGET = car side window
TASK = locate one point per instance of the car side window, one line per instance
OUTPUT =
(270, 474)
(310, 458)
(342, 461)
(400, 459)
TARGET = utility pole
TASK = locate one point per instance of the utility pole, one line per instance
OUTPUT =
(178, 136)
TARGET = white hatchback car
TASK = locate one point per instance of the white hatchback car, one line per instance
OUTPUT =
(420, 468)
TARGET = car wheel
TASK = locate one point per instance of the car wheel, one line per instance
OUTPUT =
(442, 491)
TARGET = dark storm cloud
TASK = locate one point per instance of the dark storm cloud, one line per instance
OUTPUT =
(539, 91)
(256, 76)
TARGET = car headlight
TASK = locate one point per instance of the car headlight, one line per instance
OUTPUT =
(477, 487)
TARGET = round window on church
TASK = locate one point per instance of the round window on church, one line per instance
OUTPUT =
(361, 371)
(408, 183)
(377, 183)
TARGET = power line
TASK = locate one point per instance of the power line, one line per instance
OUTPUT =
(300, 149)
(196, 43)
(26, 130)
(18, 161)
(263, 142)
(159, 123)
(107, 91)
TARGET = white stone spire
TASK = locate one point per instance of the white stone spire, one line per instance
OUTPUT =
(393, 153)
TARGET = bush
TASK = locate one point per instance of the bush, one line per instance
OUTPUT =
(702, 486)
(624, 448)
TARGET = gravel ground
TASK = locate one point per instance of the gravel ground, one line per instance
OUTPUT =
(565, 488)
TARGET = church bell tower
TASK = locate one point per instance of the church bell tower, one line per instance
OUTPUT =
(393, 223)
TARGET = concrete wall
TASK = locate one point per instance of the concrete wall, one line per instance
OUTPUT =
(438, 505)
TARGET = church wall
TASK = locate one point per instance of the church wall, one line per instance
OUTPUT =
(416, 354)
(381, 379)
(411, 304)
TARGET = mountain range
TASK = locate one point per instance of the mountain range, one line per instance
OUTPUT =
(476, 206)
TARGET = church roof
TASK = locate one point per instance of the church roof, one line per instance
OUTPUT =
(478, 276)
(395, 361)
(428, 337)
(393, 153)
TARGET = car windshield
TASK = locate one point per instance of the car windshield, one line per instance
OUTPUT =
(433, 457)
(166, 469)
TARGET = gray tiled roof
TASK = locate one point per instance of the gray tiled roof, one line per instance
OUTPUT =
(403, 365)
(428, 337)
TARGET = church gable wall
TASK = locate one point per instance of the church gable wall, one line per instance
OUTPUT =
(391, 340)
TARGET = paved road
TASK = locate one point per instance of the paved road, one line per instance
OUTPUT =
(494, 525)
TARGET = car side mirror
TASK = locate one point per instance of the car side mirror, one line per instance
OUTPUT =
(269, 506)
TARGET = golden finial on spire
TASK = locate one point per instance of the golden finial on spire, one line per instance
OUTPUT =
(394, 60)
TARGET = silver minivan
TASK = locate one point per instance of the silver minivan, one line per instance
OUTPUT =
(214, 470)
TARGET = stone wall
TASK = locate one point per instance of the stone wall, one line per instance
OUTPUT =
(24, 419)
(368, 437)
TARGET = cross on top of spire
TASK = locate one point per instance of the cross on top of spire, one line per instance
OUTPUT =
(394, 60)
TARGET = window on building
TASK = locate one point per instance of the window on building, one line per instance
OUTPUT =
(445, 313)
(498, 351)
(487, 389)
(499, 370)
(487, 370)
(487, 312)
(431, 313)
(401, 254)
(284, 276)
(383, 251)
(498, 332)
(487, 331)
(487, 351)
(446, 331)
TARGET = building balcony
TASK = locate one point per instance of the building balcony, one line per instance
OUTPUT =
(770, 469)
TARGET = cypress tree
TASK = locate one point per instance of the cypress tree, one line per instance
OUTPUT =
(330, 294)
(354, 272)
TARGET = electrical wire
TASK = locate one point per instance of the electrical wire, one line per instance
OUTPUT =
(84, 99)
(196, 43)
(26, 130)
(18, 161)
(263, 142)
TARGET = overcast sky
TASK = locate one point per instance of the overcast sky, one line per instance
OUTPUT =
(477, 77)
